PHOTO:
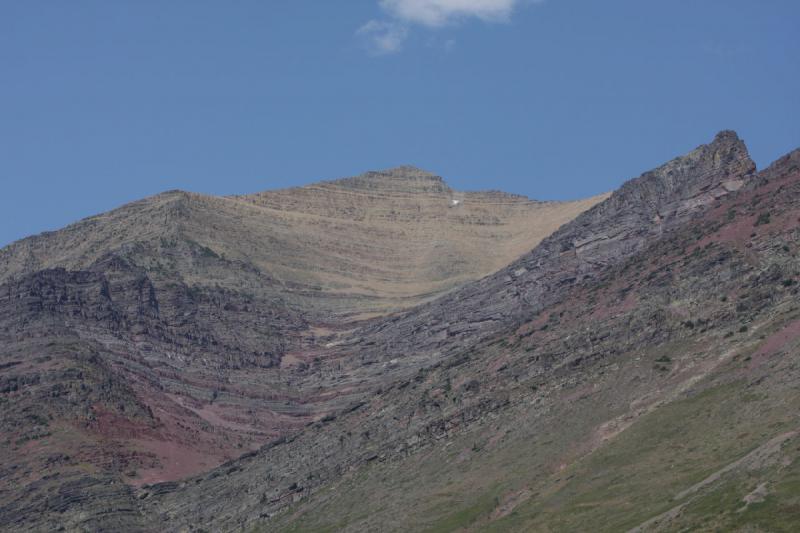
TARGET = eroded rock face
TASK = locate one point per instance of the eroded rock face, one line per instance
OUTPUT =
(116, 298)
(114, 379)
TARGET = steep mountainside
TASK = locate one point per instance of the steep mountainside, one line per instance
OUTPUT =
(635, 369)
(661, 392)
(641, 211)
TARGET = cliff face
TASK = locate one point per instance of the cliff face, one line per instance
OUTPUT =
(636, 366)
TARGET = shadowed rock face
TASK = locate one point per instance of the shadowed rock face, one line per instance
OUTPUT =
(502, 402)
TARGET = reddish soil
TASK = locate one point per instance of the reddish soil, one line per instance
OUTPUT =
(775, 343)
(175, 461)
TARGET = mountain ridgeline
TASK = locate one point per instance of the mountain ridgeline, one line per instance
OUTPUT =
(384, 353)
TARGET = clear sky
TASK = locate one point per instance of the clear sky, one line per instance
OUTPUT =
(104, 102)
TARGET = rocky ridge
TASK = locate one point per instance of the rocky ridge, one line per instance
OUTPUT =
(642, 210)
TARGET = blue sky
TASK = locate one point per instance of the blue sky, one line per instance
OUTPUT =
(103, 102)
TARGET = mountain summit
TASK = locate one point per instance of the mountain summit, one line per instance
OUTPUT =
(356, 246)
(398, 179)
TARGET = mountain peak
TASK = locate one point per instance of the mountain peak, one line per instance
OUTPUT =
(408, 171)
(726, 136)
(691, 181)
(404, 179)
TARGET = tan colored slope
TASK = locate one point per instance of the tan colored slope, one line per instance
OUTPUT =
(357, 246)
(80, 244)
